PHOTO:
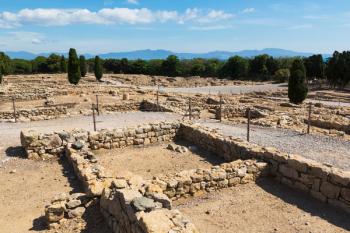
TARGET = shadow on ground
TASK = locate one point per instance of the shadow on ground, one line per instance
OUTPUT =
(306, 203)
(17, 151)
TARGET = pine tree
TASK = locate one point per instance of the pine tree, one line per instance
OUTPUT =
(63, 64)
(98, 68)
(297, 89)
(73, 67)
(83, 69)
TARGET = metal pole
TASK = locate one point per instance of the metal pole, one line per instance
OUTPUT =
(309, 121)
(220, 117)
(248, 126)
(14, 109)
(97, 106)
(93, 116)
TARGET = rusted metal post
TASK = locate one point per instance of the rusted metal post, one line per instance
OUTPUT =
(248, 125)
(97, 106)
(14, 109)
(220, 116)
(93, 116)
(309, 120)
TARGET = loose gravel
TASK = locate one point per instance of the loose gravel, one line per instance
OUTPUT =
(321, 148)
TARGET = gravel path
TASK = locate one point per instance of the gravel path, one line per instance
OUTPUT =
(325, 102)
(10, 132)
(221, 89)
(317, 147)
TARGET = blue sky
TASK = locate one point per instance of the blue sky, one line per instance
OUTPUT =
(92, 26)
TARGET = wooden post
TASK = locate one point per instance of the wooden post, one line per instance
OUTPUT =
(14, 109)
(93, 116)
(158, 99)
(97, 106)
(190, 108)
(309, 120)
(248, 126)
(220, 117)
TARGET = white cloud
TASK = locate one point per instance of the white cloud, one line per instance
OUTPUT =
(248, 10)
(61, 17)
(135, 2)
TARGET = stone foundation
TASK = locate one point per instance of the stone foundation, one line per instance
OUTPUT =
(327, 184)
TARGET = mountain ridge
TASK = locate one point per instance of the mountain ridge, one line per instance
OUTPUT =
(149, 54)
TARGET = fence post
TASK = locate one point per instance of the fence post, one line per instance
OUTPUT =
(93, 116)
(158, 99)
(190, 108)
(309, 120)
(248, 125)
(220, 117)
(97, 106)
(14, 109)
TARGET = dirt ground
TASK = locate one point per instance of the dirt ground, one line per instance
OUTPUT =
(264, 207)
(26, 187)
(156, 159)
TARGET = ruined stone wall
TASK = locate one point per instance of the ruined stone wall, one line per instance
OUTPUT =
(43, 113)
(340, 126)
(127, 202)
(125, 106)
(327, 184)
(43, 146)
(187, 183)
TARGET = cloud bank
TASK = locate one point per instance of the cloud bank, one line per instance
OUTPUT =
(106, 16)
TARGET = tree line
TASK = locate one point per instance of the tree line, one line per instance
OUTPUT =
(335, 69)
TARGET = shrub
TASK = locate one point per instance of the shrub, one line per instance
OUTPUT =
(74, 74)
(282, 75)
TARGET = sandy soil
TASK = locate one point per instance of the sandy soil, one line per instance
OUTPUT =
(264, 208)
(26, 187)
(155, 159)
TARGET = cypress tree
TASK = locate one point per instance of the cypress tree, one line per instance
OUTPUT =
(297, 89)
(98, 68)
(63, 64)
(73, 67)
(83, 69)
(0, 76)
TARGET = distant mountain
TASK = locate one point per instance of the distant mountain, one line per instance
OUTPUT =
(162, 54)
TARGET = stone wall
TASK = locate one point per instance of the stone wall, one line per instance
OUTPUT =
(37, 114)
(149, 106)
(127, 202)
(327, 184)
(125, 106)
(187, 183)
(43, 146)
(340, 126)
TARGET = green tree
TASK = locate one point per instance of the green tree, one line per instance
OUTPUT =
(21, 66)
(63, 65)
(98, 68)
(171, 66)
(272, 65)
(1, 78)
(257, 66)
(74, 74)
(236, 67)
(297, 89)
(138, 67)
(53, 63)
(83, 68)
(5, 64)
(39, 65)
(314, 67)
